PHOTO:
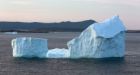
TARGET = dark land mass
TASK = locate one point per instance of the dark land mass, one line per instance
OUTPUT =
(36, 27)
(133, 31)
(129, 65)
(44, 27)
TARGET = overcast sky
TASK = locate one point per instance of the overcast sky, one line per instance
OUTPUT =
(70, 10)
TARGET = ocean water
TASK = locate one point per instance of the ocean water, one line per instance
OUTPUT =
(129, 65)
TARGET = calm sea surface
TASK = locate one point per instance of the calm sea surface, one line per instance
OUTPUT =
(129, 65)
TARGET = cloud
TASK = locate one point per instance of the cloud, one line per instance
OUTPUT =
(124, 2)
(21, 2)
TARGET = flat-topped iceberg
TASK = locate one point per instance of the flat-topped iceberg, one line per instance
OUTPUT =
(29, 47)
(58, 53)
(100, 40)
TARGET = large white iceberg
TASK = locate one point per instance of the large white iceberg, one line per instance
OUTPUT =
(58, 53)
(100, 40)
(29, 47)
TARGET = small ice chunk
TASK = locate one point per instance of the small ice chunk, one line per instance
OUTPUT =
(29, 47)
(11, 33)
(58, 53)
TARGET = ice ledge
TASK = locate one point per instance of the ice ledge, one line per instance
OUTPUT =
(58, 53)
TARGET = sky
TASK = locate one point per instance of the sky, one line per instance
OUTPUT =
(71, 10)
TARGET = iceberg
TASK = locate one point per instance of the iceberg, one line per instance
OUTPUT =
(29, 47)
(11, 33)
(100, 40)
(58, 53)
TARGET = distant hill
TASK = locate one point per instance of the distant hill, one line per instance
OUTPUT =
(133, 31)
(45, 27)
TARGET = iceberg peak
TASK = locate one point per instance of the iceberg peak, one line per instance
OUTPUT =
(109, 27)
